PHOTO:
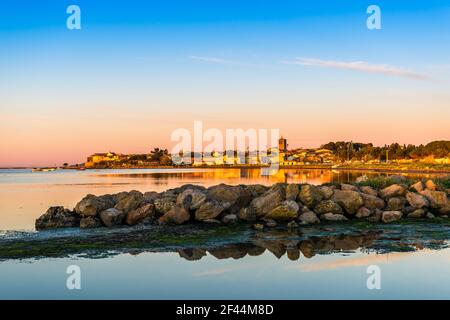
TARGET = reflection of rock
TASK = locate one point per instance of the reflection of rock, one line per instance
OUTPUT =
(274, 246)
(234, 251)
(307, 248)
(192, 254)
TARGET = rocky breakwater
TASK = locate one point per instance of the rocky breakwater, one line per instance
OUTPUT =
(260, 206)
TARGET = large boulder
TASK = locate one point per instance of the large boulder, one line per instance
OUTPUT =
(90, 222)
(176, 215)
(372, 202)
(369, 190)
(326, 191)
(271, 199)
(286, 211)
(310, 195)
(396, 204)
(209, 210)
(164, 204)
(112, 217)
(130, 202)
(351, 201)
(140, 214)
(394, 190)
(326, 206)
(418, 186)
(308, 217)
(197, 198)
(92, 205)
(438, 200)
(57, 217)
(391, 216)
(416, 200)
(230, 197)
(292, 191)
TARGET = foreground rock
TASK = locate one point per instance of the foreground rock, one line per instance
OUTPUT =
(261, 206)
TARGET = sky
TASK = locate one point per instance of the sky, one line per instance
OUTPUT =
(138, 70)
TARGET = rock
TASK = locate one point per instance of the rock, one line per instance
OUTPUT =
(430, 215)
(212, 221)
(164, 204)
(257, 189)
(208, 210)
(418, 186)
(351, 201)
(90, 205)
(57, 217)
(309, 195)
(394, 190)
(112, 217)
(396, 204)
(258, 226)
(372, 202)
(197, 198)
(230, 218)
(363, 212)
(292, 225)
(326, 206)
(309, 217)
(270, 223)
(247, 214)
(130, 202)
(398, 179)
(232, 198)
(138, 215)
(326, 191)
(350, 187)
(262, 205)
(418, 213)
(363, 178)
(292, 191)
(416, 200)
(151, 196)
(90, 222)
(375, 217)
(287, 210)
(430, 185)
(438, 200)
(176, 215)
(391, 216)
(369, 190)
(333, 217)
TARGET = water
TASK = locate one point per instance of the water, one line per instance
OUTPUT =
(318, 262)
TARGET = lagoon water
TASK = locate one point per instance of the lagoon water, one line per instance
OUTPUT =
(340, 273)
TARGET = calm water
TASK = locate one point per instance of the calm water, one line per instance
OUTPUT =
(336, 269)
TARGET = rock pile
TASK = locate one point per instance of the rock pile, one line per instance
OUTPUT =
(263, 206)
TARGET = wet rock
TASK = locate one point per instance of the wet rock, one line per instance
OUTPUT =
(375, 217)
(395, 204)
(292, 225)
(269, 223)
(391, 216)
(418, 213)
(247, 214)
(308, 217)
(372, 202)
(112, 217)
(267, 202)
(208, 210)
(430, 185)
(333, 217)
(309, 195)
(230, 218)
(197, 198)
(57, 217)
(287, 210)
(130, 202)
(326, 191)
(140, 214)
(326, 206)
(292, 191)
(416, 200)
(307, 248)
(176, 215)
(90, 222)
(369, 190)
(394, 190)
(363, 212)
(351, 201)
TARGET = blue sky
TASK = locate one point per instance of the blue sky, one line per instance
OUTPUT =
(260, 64)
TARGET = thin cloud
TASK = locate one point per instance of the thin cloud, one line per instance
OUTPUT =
(360, 66)
(222, 61)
